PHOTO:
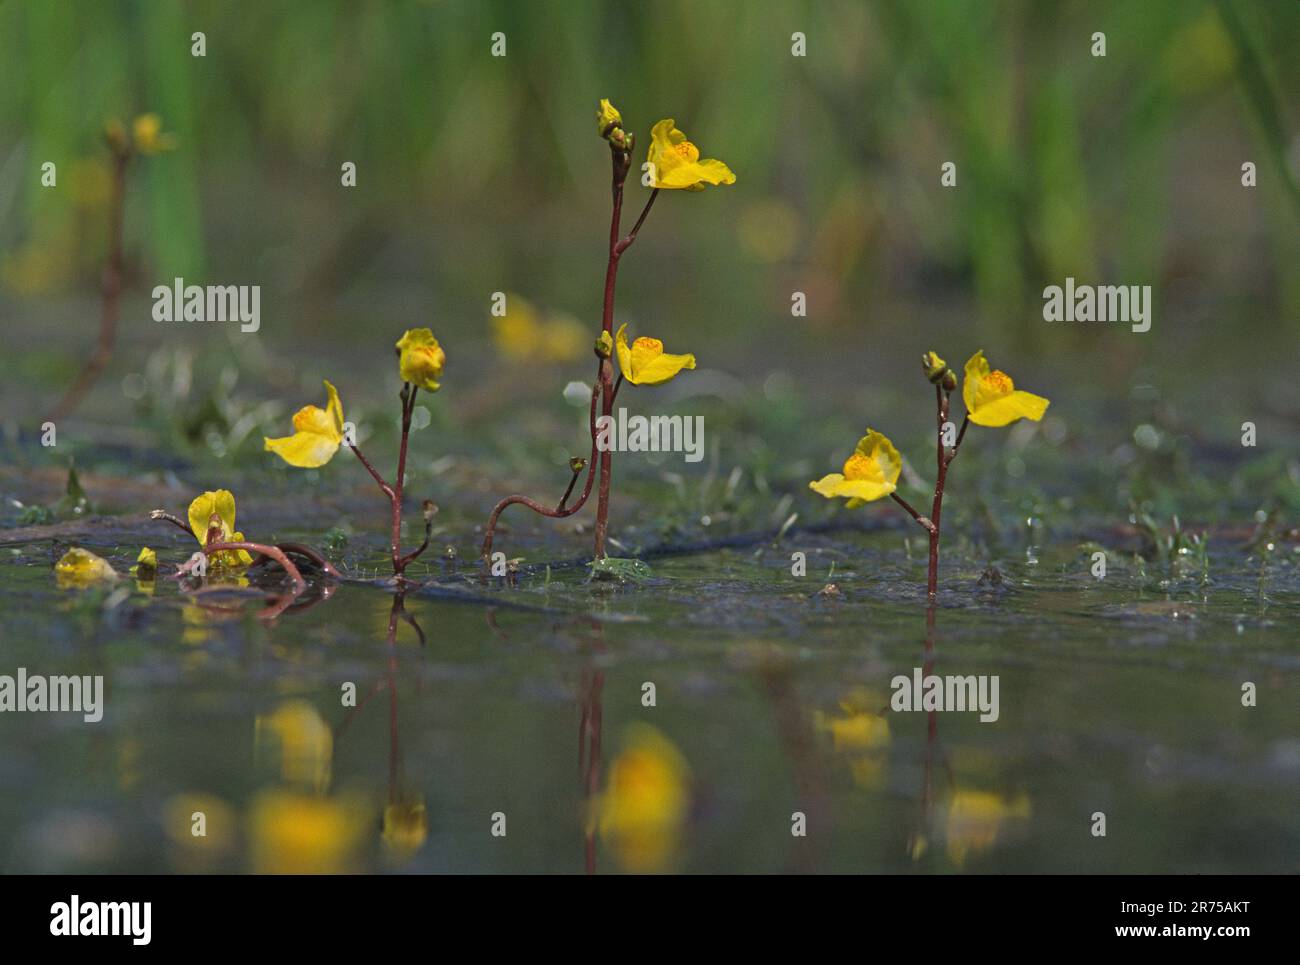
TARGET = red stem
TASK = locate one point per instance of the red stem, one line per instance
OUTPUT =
(559, 512)
(941, 459)
(299, 584)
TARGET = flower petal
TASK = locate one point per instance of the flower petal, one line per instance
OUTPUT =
(828, 485)
(306, 450)
(661, 367)
(221, 502)
(624, 353)
(1009, 408)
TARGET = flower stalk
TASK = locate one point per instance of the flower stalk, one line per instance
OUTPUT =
(872, 471)
(674, 163)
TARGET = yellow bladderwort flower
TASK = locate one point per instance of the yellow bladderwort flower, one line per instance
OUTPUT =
(317, 435)
(146, 564)
(647, 800)
(646, 363)
(81, 568)
(222, 503)
(524, 335)
(676, 161)
(975, 820)
(293, 833)
(304, 743)
(147, 134)
(870, 473)
(607, 116)
(992, 399)
(420, 358)
(860, 733)
(406, 826)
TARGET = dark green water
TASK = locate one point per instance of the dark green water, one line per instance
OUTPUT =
(1120, 696)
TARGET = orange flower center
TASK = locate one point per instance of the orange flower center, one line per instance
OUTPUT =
(684, 149)
(997, 383)
(860, 467)
(645, 343)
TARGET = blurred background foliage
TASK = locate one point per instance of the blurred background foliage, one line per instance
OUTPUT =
(479, 174)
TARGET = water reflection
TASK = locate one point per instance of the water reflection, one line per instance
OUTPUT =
(974, 819)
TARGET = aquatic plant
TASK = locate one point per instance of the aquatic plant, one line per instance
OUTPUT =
(211, 519)
(318, 434)
(872, 472)
(672, 163)
(146, 138)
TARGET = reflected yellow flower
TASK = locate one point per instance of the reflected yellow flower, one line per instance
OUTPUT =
(859, 733)
(147, 134)
(676, 161)
(80, 568)
(317, 434)
(294, 833)
(198, 624)
(406, 825)
(646, 801)
(975, 819)
(607, 115)
(420, 358)
(870, 473)
(645, 362)
(303, 740)
(992, 399)
(222, 503)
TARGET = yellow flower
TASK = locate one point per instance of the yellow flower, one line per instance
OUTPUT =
(420, 358)
(861, 735)
(992, 399)
(148, 136)
(646, 801)
(145, 570)
(318, 433)
(222, 503)
(607, 116)
(523, 335)
(676, 161)
(870, 473)
(975, 819)
(80, 568)
(303, 740)
(406, 825)
(646, 362)
(298, 834)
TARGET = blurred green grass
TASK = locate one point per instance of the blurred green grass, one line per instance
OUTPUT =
(479, 174)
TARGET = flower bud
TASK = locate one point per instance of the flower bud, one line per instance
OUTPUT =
(605, 345)
(577, 464)
(934, 367)
(608, 119)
